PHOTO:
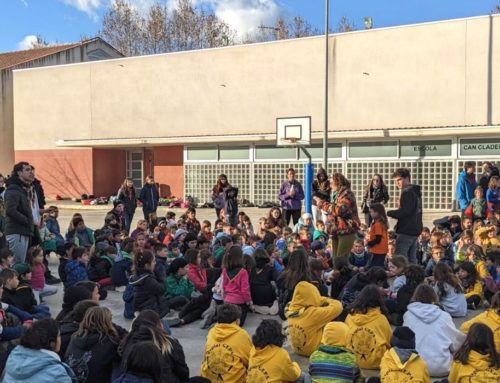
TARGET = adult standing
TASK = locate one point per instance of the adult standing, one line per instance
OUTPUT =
(489, 170)
(218, 193)
(466, 185)
(342, 215)
(127, 195)
(291, 195)
(19, 225)
(321, 189)
(149, 197)
(231, 205)
(409, 215)
(375, 192)
(2, 184)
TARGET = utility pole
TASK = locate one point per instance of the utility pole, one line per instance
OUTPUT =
(325, 131)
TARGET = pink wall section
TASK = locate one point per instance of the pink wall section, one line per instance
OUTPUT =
(73, 172)
(67, 172)
(169, 170)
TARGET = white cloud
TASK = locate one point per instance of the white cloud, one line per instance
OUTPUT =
(24, 2)
(87, 6)
(244, 16)
(27, 42)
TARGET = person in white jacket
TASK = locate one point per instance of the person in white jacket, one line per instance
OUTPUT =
(436, 336)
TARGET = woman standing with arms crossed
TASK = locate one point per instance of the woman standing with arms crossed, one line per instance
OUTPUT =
(291, 195)
(342, 215)
(375, 192)
(127, 195)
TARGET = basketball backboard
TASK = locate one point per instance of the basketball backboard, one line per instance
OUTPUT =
(293, 131)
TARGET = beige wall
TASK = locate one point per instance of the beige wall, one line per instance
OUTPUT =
(417, 76)
(78, 54)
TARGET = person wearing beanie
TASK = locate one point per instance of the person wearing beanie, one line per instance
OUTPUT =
(402, 363)
(307, 313)
(305, 222)
(332, 361)
(178, 288)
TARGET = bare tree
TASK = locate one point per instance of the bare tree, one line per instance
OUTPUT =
(496, 9)
(123, 27)
(298, 27)
(345, 25)
(156, 36)
(40, 42)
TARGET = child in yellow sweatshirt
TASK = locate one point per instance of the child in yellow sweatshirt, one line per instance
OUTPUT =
(269, 362)
(477, 361)
(469, 278)
(402, 363)
(307, 314)
(369, 330)
(228, 348)
(490, 318)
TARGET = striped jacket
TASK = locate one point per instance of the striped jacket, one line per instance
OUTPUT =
(331, 364)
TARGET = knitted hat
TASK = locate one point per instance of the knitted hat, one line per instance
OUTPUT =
(335, 334)
(403, 337)
(22, 268)
(318, 234)
(317, 245)
(177, 263)
(179, 232)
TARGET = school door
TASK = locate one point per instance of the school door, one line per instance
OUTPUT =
(135, 167)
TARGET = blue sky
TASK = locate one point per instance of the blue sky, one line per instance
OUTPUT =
(68, 20)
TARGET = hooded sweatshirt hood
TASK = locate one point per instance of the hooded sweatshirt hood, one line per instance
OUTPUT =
(427, 313)
(304, 296)
(365, 319)
(403, 355)
(223, 331)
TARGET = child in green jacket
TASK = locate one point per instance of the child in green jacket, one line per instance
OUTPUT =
(178, 287)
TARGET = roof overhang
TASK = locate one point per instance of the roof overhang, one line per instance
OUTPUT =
(414, 133)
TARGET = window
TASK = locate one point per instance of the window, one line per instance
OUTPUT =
(202, 153)
(373, 149)
(271, 152)
(316, 150)
(427, 148)
(234, 153)
(135, 164)
(480, 147)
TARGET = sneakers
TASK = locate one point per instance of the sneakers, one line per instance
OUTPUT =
(174, 322)
(120, 289)
(51, 280)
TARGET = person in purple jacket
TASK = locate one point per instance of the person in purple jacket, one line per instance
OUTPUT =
(291, 195)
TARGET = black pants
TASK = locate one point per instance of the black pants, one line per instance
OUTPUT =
(244, 312)
(378, 260)
(473, 300)
(293, 214)
(193, 310)
(217, 212)
(177, 302)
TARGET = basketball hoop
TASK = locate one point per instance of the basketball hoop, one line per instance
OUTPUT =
(293, 140)
(293, 131)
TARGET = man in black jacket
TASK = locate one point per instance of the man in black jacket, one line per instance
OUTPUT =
(409, 215)
(19, 225)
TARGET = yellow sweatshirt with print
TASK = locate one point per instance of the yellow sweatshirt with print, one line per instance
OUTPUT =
(490, 318)
(486, 241)
(226, 354)
(271, 364)
(476, 289)
(477, 370)
(307, 313)
(369, 337)
(403, 366)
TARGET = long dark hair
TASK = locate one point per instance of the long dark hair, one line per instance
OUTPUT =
(141, 259)
(480, 339)
(234, 258)
(219, 186)
(380, 210)
(297, 270)
(144, 359)
(368, 298)
(370, 184)
(472, 276)
(443, 274)
(128, 191)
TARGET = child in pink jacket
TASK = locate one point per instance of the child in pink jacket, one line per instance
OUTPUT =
(235, 282)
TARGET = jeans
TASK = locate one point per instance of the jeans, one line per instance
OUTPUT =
(18, 244)
(406, 245)
(46, 291)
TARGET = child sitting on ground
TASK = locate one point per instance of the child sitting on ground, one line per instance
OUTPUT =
(437, 256)
(359, 259)
(477, 360)
(177, 286)
(424, 247)
(319, 233)
(469, 278)
(449, 291)
(161, 267)
(227, 350)
(402, 362)
(474, 254)
(100, 267)
(307, 313)
(369, 330)
(466, 239)
(396, 274)
(317, 270)
(63, 261)
(268, 361)
(339, 276)
(333, 361)
(76, 269)
(18, 292)
(261, 280)
(34, 259)
(121, 270)
(6, 258)
(492, 280)
(490, 318)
